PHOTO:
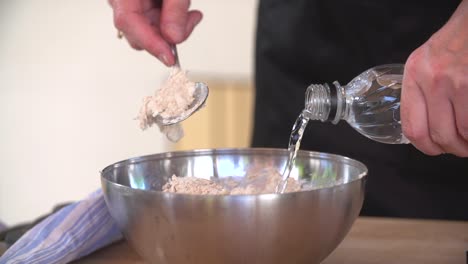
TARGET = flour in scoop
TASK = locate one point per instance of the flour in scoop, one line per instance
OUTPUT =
(172, 99)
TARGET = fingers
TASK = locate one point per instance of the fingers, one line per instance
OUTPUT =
(434, 108)
(442, 89)
(460, 102)
(438, 71)
(442, 121)
(138, 21)
(177, 22)
(414, 115)
(148, 25)
(194, 18)
(141, 35)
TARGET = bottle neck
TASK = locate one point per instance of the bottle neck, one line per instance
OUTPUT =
(325, 102)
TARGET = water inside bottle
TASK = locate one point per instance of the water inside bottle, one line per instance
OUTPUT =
(375, 112)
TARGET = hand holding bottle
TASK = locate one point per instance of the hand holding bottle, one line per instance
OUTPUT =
(434, 103)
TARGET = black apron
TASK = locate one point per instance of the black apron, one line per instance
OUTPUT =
(308, 41)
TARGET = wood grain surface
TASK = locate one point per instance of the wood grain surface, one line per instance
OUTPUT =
(371, 240)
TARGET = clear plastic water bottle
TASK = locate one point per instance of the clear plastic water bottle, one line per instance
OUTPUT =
(370, 103)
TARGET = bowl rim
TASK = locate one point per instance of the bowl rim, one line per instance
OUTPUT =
(196, 152)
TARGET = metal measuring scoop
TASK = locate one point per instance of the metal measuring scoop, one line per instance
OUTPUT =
(199, 97)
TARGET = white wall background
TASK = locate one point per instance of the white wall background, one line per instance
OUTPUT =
(69, 90)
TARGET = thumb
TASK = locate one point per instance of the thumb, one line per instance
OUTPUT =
(194, 18)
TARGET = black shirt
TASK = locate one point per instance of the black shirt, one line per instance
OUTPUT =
(309, 41)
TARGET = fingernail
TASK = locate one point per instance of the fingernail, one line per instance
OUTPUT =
(164, 59)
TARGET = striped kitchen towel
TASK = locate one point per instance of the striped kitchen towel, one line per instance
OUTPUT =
(69, 234)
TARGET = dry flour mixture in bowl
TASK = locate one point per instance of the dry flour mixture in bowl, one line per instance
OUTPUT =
(220, 205)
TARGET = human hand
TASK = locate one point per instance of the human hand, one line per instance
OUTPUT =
(153, 25)
(434, 103)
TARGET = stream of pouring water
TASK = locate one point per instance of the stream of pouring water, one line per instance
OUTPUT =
(293, 148)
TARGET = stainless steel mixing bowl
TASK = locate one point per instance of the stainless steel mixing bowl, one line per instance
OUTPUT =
(300, 227)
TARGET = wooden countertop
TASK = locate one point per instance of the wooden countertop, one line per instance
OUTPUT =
(371, 240)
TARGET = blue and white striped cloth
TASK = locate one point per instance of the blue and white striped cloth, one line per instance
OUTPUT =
(69, 234)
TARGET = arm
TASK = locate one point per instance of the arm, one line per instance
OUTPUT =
(434, 104)
(154, 25)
